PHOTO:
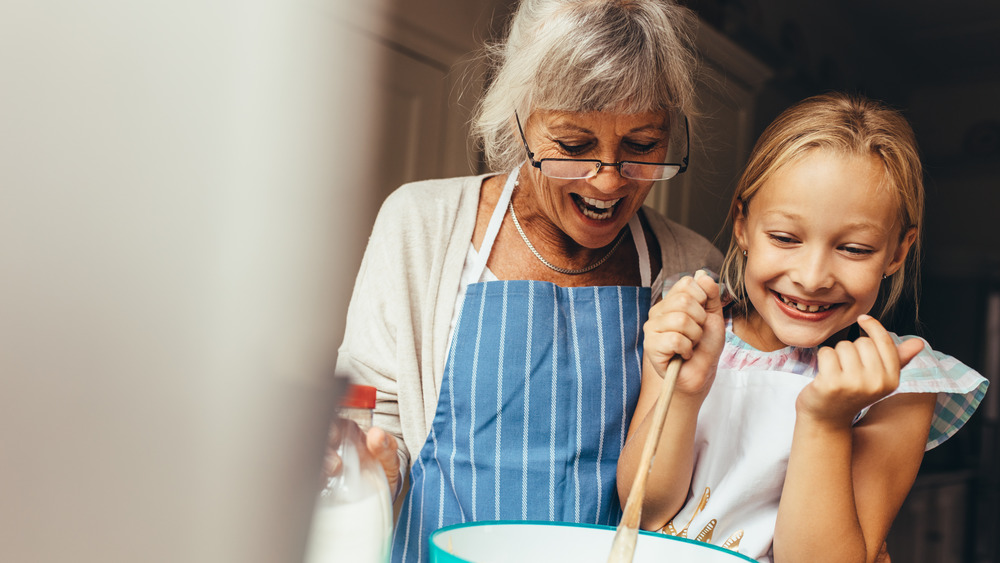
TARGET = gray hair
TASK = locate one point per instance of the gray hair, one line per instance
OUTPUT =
(622, 56)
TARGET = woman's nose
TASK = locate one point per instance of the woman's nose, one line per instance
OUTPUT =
(608, 179)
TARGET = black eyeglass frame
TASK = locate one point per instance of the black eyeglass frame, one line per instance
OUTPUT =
(683, 164)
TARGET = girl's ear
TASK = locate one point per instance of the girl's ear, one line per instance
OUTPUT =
(740, 225)
(899, 257)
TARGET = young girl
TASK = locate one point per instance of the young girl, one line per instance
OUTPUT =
(798, 422)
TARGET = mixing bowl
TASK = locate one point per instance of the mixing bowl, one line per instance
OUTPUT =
(530, 542)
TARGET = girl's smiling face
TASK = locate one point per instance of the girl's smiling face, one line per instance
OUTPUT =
(819, 235)
(589, 212)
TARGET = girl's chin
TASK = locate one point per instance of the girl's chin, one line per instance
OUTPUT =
(806, 342)
(812, 338)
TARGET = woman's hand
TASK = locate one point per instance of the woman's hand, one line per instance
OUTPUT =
(853, 375)
(688, 322)
(381, 445)
(331, 461)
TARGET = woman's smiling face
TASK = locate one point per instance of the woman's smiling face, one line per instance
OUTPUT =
(590, 211)
(819, 235)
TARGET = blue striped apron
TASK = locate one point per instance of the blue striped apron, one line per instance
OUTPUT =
(538, 391)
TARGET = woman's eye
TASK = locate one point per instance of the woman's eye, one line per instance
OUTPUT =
(573, 148)
(642, 148)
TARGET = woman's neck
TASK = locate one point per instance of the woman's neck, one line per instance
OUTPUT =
(510, 257)
(550, 240)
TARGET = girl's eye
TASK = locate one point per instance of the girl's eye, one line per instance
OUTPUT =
(782, 238)
(858, 250)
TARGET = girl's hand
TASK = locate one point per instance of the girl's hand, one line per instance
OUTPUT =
(688, 322)
(856, 374)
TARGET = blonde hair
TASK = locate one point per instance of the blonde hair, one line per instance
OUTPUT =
(622, 56)
(849, 125)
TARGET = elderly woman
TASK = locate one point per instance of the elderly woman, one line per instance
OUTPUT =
(500, 316)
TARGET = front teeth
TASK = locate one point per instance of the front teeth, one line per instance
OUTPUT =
(805, 308)
(600, 204)
(588, 205)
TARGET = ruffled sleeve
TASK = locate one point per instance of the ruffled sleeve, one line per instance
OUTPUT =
(959, 389)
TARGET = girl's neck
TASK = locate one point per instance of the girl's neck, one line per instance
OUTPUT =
(752, 329)
(852, 333)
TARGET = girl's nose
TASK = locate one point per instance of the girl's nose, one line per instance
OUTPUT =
(813, 272)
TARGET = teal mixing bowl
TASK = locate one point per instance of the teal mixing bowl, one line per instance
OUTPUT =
(530, 542)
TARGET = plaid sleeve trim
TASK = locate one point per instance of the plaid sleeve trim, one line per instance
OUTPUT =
(960, 390)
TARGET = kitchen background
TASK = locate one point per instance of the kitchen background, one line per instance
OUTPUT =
(938, 63)
(186, 187)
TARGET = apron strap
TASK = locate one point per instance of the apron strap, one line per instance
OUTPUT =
(641, 249)
(494, 225)
(638, 237)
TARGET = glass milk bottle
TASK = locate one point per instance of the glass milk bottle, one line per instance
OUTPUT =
(353, 517)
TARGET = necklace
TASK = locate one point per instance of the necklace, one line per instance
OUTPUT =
(585, 269)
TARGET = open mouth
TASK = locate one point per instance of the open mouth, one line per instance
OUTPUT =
(805, 308)
(595, 208)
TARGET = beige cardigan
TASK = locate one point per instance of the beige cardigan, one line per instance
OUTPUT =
(404, 298)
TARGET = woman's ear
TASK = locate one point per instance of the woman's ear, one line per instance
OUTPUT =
(899, 256)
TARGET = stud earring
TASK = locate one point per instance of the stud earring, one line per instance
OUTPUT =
(744, 252)
(885, 277)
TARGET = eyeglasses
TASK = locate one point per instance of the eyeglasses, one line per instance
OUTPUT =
(578, 168)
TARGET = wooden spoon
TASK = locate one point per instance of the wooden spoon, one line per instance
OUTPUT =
(623, 547)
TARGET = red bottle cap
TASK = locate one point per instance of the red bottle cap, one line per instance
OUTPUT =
(359, 397)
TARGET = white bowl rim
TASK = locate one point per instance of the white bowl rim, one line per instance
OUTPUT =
(570, 525)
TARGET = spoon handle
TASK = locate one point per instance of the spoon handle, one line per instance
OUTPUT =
(623, 547)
